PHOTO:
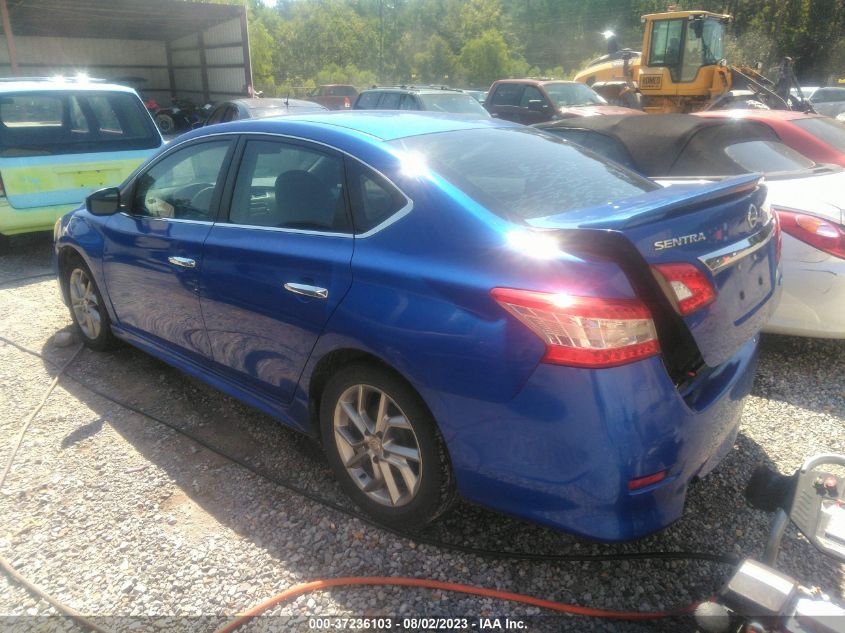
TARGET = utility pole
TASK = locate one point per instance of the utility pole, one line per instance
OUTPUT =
(380, 40)
(10, 40)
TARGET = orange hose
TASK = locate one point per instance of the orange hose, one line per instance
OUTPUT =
(308, 587)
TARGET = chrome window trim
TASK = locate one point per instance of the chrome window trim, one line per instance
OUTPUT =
(395, 217)
(722, 258)
(279, 229)
(155, 217)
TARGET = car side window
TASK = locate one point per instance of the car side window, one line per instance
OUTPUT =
(367, 100)
(507, 95)
(284, 185)
(531, 94)
(182, 185)
(409, 102)
(374, 198)
(389, 101)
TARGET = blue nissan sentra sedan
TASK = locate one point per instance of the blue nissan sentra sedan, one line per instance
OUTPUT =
(451, 306)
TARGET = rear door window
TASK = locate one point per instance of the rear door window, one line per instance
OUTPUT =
(59, 122)
(290, 186)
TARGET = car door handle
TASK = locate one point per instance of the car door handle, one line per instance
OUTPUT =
(184, 262)
(308, 291)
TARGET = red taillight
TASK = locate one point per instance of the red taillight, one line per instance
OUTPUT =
(691, 288)
(822, 234)
(584, 331)
(778, 237)
(642, 482)
(347, 103)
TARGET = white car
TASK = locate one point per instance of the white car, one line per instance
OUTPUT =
(680, 149)
(812, 215)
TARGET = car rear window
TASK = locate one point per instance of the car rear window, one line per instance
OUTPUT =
(829, 131)
(36, 123)
(458, 103)
(522, 173)
(767, 157)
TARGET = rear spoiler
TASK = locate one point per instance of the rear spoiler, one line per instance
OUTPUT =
(652, 206)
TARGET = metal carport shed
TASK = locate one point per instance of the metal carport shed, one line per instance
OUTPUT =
(182, 49)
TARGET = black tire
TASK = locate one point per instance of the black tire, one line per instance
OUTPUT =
(166, 123)
(435, 490)
(101, 338)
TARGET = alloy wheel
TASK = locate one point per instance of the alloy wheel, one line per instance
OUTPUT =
(83, 301)
(377, 445)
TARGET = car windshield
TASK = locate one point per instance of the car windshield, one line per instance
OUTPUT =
(458, 103)
(829, 131)
(57, 122)
(573, 94)
(522, 173)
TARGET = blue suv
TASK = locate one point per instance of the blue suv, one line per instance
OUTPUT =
(451, 306)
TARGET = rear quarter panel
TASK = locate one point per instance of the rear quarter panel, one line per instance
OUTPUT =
(420, 299)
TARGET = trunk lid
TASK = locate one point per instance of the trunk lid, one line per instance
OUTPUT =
(724, 229)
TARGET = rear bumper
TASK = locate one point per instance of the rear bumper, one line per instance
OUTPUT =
(563, 451)
(813, 293)
(16, 221)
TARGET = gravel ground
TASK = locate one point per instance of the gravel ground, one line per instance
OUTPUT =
(133, 523)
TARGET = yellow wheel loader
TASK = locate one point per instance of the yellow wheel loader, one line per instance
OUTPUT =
(681, 68)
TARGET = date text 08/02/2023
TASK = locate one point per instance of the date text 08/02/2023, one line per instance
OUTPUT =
(417, 624)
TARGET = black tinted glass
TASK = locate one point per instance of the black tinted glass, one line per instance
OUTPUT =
(523, 173)
(289, 186)
(367, 100)
(374, 199)
(54, 122)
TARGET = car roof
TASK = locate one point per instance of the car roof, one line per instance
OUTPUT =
(415, 89)
(536, 82)
(656, 142)
(37, 84)
(381, 125)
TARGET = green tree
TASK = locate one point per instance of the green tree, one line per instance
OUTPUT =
(485, 59)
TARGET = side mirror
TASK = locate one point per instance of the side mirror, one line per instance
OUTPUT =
(536, 105)
(103, 201)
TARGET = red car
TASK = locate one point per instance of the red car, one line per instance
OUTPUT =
(334, 96)
(819, 138)
(530, 101)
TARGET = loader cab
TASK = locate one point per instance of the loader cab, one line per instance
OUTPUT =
(683, 42)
